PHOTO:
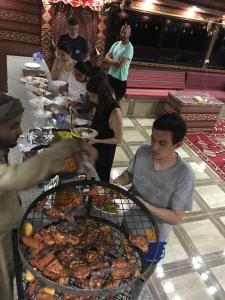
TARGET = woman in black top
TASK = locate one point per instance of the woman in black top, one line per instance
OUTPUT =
(107, 121)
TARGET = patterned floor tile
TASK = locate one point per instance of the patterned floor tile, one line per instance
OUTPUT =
(116, 171)
(133, 135)
(174, 250)
(213, 195)
(219, 272)
(127, 122)
(182, 153)
(204, 234)
(145, 121)
(200, 174)
(120, 155)
(186, 287)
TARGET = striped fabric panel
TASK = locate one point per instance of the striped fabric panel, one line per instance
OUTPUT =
(146, 93)
(205, 81)
(139, 78)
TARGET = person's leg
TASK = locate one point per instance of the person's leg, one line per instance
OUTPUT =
(121, 89)
(113, 82)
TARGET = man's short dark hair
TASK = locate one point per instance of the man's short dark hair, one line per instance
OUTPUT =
(72, 21)
(174, 123)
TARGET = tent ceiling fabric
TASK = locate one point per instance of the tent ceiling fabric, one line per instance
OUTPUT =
(92, 4)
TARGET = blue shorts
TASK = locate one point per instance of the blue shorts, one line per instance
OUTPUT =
(155, 253)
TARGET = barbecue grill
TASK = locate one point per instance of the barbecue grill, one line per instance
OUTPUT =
(99, 235)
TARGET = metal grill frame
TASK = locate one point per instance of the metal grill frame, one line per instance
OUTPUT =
(88, 213)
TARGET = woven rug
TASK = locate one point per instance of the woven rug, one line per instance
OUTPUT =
(219, 127)
(210, 149)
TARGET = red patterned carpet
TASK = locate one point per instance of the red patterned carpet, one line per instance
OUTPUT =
(209, 148)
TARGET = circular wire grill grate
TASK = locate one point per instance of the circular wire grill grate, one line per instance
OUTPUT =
(97, 207)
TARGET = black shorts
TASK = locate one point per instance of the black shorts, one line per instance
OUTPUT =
(118, 86)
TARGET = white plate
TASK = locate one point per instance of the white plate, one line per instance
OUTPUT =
(32, 65)
(80, 122)
(59, 83)
(60, 99)
(84, 132)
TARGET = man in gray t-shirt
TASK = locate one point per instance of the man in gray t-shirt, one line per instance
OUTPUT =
(162, 181)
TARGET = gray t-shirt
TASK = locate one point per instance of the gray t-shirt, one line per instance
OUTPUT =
(171, 189)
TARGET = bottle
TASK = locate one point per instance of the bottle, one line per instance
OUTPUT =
(37, 57)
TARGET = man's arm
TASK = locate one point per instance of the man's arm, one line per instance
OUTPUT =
(166, 215)
(109, 59)
(37, 168)
(124, 179)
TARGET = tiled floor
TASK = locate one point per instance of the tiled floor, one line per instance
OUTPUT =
(194, 265)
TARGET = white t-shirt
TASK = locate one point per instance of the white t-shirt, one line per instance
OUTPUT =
(76, 88)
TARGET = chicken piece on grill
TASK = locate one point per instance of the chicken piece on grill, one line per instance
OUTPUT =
(96, 282)
(91, 256)
(127, 248)
(41, 263)
(32, 243)
(99, 266)
(76, 263)
(33, 287)
(71, 297)
(56, 214)
(55, 270)
(93, 191)
(44, 296)
(68, 254)
(106, 229)
(89, 221)
(81, 272)
(140, 242)
(123, 272)
(48, 238)
(67, 200)
(113, 284)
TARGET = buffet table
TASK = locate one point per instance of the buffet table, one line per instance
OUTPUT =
(199, 115)
(16, 88)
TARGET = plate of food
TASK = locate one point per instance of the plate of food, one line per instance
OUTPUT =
(84, 132)
(32, 65)
(37, 91)
(37, 82)
(40, 102)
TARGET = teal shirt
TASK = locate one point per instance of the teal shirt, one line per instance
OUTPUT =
(119, 50)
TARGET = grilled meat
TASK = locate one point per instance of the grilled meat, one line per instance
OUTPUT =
(123, 272)
(67, 200)
(96, 282)
(56, 214)
(41, 263)
(32, 289)
(99, 266)
(91, 256)
(81, 272)
(68, 254)
(32, 243)
(55, 270)
(140, 242)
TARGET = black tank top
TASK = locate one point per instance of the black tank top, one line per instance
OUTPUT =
(101, 121)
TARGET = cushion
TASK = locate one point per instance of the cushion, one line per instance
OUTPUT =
(204, 80)
(147, 93)
(155, 79)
